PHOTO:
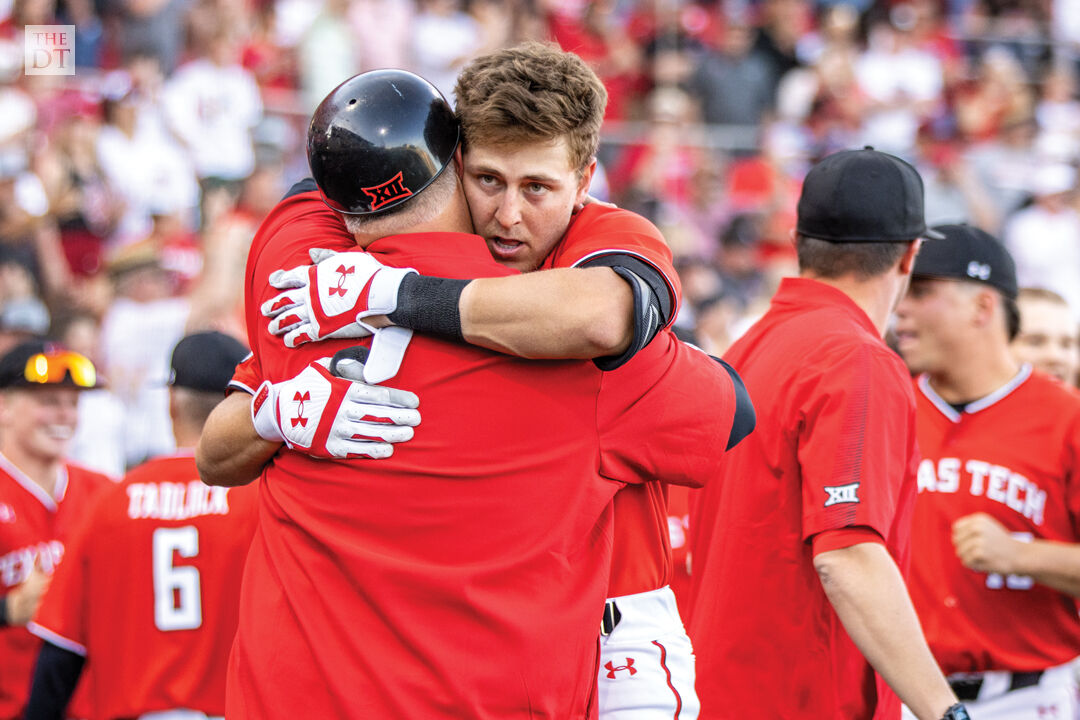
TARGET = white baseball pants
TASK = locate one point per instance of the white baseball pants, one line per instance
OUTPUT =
(1053, 698)
(647, 662)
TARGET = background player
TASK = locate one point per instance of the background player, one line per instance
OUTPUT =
(41, 495)
(1049, 338)
(399, 579)
(995, 567)
(798, 544)
(146, 600)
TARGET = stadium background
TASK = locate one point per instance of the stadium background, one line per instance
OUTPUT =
(128, 194)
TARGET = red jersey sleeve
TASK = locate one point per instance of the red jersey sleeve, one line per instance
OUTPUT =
(856, 444)
(666, 414)
(247, 377)
(843, 538)
(599, 231)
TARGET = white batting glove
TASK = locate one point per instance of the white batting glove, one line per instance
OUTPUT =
(331, 298)
(326, 416)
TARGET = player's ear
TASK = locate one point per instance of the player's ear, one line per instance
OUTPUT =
(986, 302)
(907, 261)
(585, 181)
(459, 162)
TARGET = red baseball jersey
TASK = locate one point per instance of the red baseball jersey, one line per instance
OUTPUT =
(34, 528)
(465, 575)
(1014, 455)
(149, 591)
(641, 559)
(834, 448)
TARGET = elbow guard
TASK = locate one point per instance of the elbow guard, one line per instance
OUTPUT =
(652, 304)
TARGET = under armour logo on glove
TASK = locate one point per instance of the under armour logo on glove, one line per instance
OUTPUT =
(348, 418)
(612, 668)
(331, 298)
(299, 399)
(343, 275)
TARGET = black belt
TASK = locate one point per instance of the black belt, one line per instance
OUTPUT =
(612, 616)
(967, 688)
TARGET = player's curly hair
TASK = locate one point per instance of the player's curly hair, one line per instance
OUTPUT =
(532, 91)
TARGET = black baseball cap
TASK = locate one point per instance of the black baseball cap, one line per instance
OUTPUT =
(205, 361)
(862, 196)
(968, 253)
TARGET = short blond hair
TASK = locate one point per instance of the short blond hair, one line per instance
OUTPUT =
(532, 92)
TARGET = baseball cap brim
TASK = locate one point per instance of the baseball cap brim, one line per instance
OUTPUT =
(969, 254)
(929, 234)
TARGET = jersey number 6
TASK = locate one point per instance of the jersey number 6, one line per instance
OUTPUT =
(177, 590)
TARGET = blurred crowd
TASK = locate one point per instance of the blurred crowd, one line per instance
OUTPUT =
(129, 192)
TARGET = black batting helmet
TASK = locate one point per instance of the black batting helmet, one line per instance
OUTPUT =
(379, 138)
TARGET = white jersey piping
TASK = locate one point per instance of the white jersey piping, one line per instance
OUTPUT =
(976, 405)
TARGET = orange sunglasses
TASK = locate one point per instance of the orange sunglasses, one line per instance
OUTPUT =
(54, 366)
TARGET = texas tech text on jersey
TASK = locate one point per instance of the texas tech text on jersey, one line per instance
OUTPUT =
(15, 566)
(996, 482)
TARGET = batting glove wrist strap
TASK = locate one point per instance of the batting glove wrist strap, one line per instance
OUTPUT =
(331, 298)
(430, 305)
(384, 291)
(264, 413)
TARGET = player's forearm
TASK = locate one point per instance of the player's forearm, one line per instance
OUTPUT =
(868, 593)
(1050, 563)
(560, 313)
(230, 452)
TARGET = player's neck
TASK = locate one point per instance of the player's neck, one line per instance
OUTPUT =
(875, 297)
(984, 370)
(453, 218)
(44, 472)
(186, 435)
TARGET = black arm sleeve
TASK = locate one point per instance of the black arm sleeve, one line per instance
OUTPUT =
(55, 677)
(653, 304)
(745, 417)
